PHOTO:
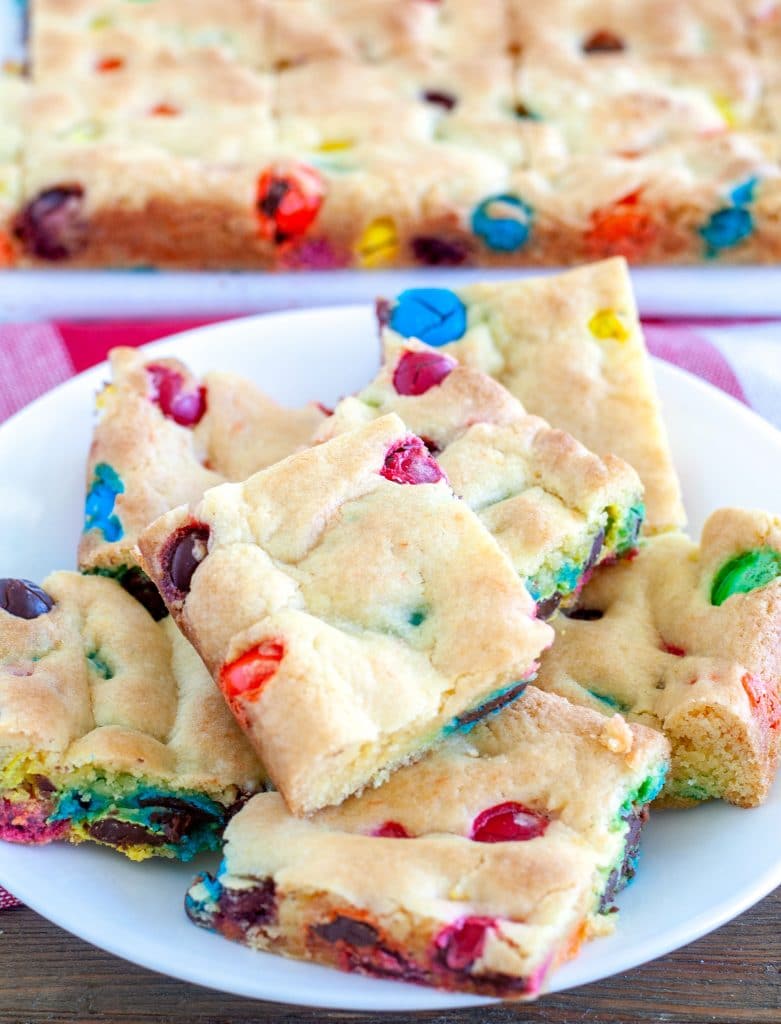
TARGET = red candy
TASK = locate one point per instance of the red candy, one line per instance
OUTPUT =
(623, 229)
(508, 822)
(288, 199)
(246, 675)
(183, 407)
(418, 372)
(463, 942)
(391, 830)
(409, 462)
(110, 64)
(679, 652)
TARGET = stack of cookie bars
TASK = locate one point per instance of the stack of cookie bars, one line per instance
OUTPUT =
(417, 664)
(366, 133)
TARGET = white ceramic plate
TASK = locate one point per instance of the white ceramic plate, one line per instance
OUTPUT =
(699, 868)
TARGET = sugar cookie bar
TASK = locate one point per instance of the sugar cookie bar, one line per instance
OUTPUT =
(554, 507)
(687, 639)
(350, 606)
(111, 729)
(480, 868)
(571, 348)
(13, 92)
(162, 438)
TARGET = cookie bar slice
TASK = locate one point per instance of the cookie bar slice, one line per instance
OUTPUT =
(479, 868)
(13, 95)
(162, 438)
(350, 606)
(571, 348)
(111, 729)
(688, 639)
(553, 506)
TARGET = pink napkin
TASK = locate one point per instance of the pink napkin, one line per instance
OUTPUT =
(741, 358)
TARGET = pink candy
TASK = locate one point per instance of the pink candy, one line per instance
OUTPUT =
(183, 407)
(418, 372)
(462, 942)
(508, 822)
(409, 462)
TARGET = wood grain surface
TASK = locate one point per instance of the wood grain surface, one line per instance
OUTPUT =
(728, 977)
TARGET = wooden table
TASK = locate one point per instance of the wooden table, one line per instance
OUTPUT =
(731, 976)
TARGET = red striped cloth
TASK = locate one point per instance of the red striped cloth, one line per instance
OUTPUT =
(36, 357)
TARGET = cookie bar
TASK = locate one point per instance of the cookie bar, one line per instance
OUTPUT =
(548, 339)
(336, 598)
(12, 97)
(330, 134)
(111, 729)
(530, 826)
(687, 639)
(554, 507)
(163, 437)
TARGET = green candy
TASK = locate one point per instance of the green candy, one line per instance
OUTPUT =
(745, 572)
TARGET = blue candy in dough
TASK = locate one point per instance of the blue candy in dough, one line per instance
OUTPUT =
(434, 315)
(731, 224)
(502, 230)
(99, 506)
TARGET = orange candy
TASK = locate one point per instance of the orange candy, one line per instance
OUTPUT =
(624, 229)
(245, 676)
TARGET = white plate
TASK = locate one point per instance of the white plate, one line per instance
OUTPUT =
(699, 868)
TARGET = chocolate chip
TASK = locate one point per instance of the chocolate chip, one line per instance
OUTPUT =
(621, 876)
(521, 110)
(52, 225)
(24, 599)
(185, 553)
(490, 706)
(136, 582)
(585, 614)
(124, 833)
(276, 192)
(440, 98)
(347, 929)
(548, 605)
(603, 41)
(250, 906)
(438, 252)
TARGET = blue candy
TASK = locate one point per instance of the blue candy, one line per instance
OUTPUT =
(743, 194)
(501, 232)
(434, 315)
(727, 227)
(99, 506)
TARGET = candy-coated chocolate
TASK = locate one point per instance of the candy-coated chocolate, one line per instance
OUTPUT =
(503, 222)
(746, 572)
(433, 315)
(24, 599)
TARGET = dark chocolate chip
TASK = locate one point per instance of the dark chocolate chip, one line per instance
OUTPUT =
(136, 582)
(124, 833)
(585, 614)
(603, 41)
(521, 110)
(621, 876)
(276, 192)
(24, 599)
(52, 225)
(347, 929)
(548, 605)
(43, 785)
(438, 252)
(182, 556)
(175, 817)
(490, 706)
(596, 549)
(382, 962)
(250, 906)
(440, 98)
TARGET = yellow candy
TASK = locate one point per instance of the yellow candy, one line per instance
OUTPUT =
(379, 243)
(605, 324)
(727, 111)
(335, 145)
(100, 22)
(84, 131)
(103, 396)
